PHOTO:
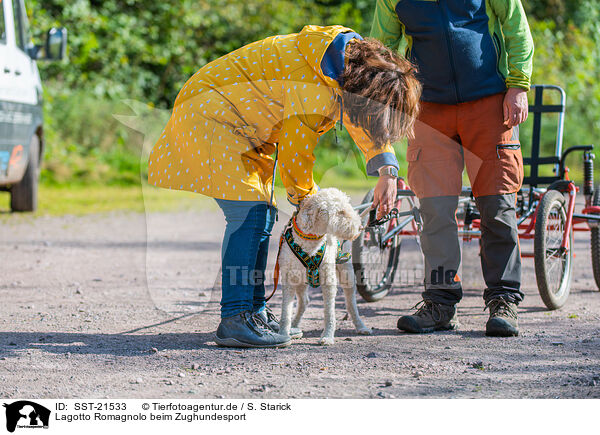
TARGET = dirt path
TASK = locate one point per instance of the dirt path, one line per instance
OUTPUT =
(80, 317)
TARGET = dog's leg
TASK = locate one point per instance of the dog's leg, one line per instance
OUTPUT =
(286, 310)
(302, 298)
(329, 292)
(347, 280)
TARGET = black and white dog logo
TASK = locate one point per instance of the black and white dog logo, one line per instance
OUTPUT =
(26, 414)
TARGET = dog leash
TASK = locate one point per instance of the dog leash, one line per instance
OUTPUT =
(276, 270)
(273, 182)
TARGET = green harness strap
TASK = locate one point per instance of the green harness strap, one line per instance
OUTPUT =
(312, 263)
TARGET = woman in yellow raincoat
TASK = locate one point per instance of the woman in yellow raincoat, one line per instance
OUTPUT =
(278, 96)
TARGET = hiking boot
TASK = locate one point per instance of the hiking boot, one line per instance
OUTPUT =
(268, 318)
(503, 321)
(429, 317)
(243, 330)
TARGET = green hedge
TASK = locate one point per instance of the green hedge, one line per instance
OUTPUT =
(145, 50)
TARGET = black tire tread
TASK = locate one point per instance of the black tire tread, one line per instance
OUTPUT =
(596, 241)
(23, 195)
(364, 289)
(548, 297)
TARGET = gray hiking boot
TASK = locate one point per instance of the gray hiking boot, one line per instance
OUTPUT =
(270, 319)
(243, 330)
(503, 321)
(429, 317)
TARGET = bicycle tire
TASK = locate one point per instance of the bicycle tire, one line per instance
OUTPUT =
(553, 202)
(372, 290)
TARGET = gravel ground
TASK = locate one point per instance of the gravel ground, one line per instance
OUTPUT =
(122, 305)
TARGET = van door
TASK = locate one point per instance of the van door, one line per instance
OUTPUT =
(21, 107)
(25, 69)
(6, 89)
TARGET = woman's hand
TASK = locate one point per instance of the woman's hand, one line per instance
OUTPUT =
(385, 195)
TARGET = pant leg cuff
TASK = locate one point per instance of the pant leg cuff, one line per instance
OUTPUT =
(232, 313)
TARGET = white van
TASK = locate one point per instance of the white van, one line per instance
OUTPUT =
(21, 121)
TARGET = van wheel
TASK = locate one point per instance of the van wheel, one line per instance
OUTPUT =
(23, 195)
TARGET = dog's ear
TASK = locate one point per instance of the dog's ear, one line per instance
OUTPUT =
(314, 215)
(307, 213)
(321, 220)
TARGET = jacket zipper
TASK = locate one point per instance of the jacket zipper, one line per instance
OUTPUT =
(497, 47)
(450, 55)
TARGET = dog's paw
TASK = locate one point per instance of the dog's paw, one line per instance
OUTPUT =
(365, 330)
(326, 341)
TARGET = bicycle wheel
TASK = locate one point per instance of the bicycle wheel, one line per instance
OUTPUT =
(374, 263)
(596, 241)
(553, 266)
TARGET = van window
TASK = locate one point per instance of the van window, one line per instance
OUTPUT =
(21, 24)
(2, 25)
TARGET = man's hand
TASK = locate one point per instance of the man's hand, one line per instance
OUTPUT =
(385, 195)
(516, 107)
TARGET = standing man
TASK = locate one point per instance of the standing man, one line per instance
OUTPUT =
(474, 59)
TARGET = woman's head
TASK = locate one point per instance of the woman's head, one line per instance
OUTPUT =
(380, 91)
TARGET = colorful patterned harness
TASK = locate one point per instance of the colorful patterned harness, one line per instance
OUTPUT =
(311, 263)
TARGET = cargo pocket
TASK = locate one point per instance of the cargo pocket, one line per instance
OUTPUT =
(412, 156)
(412, 153)
(509, 168)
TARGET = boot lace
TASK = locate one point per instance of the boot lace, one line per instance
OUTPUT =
(500, 308)
(256, 324)
(427, 308)
(271, 317)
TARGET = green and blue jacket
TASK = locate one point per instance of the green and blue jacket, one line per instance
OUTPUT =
(464, 49)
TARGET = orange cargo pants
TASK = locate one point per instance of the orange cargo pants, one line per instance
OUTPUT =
(448, 138)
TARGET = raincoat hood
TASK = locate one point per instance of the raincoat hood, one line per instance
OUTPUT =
(313, 41)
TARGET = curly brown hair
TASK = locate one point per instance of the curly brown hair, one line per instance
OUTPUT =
(380, 91)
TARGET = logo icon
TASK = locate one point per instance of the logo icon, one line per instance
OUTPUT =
(26, 414)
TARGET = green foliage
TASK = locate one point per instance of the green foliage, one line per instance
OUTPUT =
(146, 50)
(85, 143)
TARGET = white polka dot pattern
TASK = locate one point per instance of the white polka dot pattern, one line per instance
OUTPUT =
(228, 117)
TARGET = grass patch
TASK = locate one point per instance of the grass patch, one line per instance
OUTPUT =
(93, 199)
(82, 200)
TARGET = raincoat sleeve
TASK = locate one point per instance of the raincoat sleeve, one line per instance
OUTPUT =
(376, 157)
(295, 156)
(518, 41)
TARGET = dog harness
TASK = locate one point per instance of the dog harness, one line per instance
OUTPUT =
(311, 263)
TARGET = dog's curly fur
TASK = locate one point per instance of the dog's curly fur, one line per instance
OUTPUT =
(327, 212)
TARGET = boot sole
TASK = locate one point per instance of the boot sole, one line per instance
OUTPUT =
(501, 333)
(412, 330)
(232, 342)
(498, 332)
(294, 336)
(500, 328)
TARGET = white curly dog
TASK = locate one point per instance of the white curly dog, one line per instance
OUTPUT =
(325, 217)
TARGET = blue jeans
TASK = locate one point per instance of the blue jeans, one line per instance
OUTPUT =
(244, 255)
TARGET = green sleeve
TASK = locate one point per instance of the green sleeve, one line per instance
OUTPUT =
(386, 25)
(518, 41)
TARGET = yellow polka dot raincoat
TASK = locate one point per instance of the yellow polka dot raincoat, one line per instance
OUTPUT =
(230, 117)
